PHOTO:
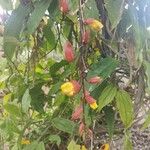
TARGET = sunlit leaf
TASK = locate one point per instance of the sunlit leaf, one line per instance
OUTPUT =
(106, 96)
(125, 107)
(73, 146)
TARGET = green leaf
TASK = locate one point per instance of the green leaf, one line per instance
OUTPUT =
(37, 98)
(103, 68)
(26, 100)
(73, 146)
(64, 125)
(53, 8)
(49, 35)
(125, 107)
(115, 9)
(6, 4)
(106, 96)
(55, 138)
(39, 9)
(13, 28)
(110, 120)
(88, 10)
(147, 122)
(12, 109)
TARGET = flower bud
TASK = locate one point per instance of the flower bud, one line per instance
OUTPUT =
(81, 129)
(64, 6)
(105, 147)
(68, 52)
(95, 80)
(86, 37)
(77, 113)
(93, 23)
(70, 88)
(90, 100)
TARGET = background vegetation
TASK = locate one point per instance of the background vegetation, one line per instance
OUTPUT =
(34, 113)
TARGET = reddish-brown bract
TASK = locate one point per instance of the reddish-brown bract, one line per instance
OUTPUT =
(95, 80)
(64, 6)
(76, 86)
(77, 113)
(86, 37)
(68, 52)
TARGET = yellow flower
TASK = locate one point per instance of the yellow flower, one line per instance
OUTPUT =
(94, 24)
(67, 88)
(25, 142)
(70, 88)
(94, 105)
(105, 147)
(83, 147)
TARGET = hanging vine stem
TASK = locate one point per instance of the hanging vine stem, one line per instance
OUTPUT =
(82, 63)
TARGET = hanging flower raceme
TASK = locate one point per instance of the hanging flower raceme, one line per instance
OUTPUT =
(77, 113)
(94, 24)
(86, 37)
(87, 131)
(68, 52)
(105, 147)
(70, 88)
(90, 100)
(95, 80)
(64, 6)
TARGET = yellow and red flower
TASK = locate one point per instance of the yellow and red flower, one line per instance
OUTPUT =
(68, 52)
(70, 88)
(90, 100)
(64, 6)
(94, 24)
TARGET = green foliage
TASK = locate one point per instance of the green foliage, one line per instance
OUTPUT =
(125, 107)
(115, 10)
(72, 145)
(39, 9)
(107, 96)
(110, 120)
(64, 125)
(33, 69)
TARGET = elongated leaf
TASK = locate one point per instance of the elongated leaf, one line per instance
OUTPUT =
(73, 146)
(125, 107)
(55, 138)
(39, 9)
(48, 33)
(103, 68)
(110, 120)
(64, 125)
(106, 96)
(26, 100)
(13, 28)
(115, 10)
